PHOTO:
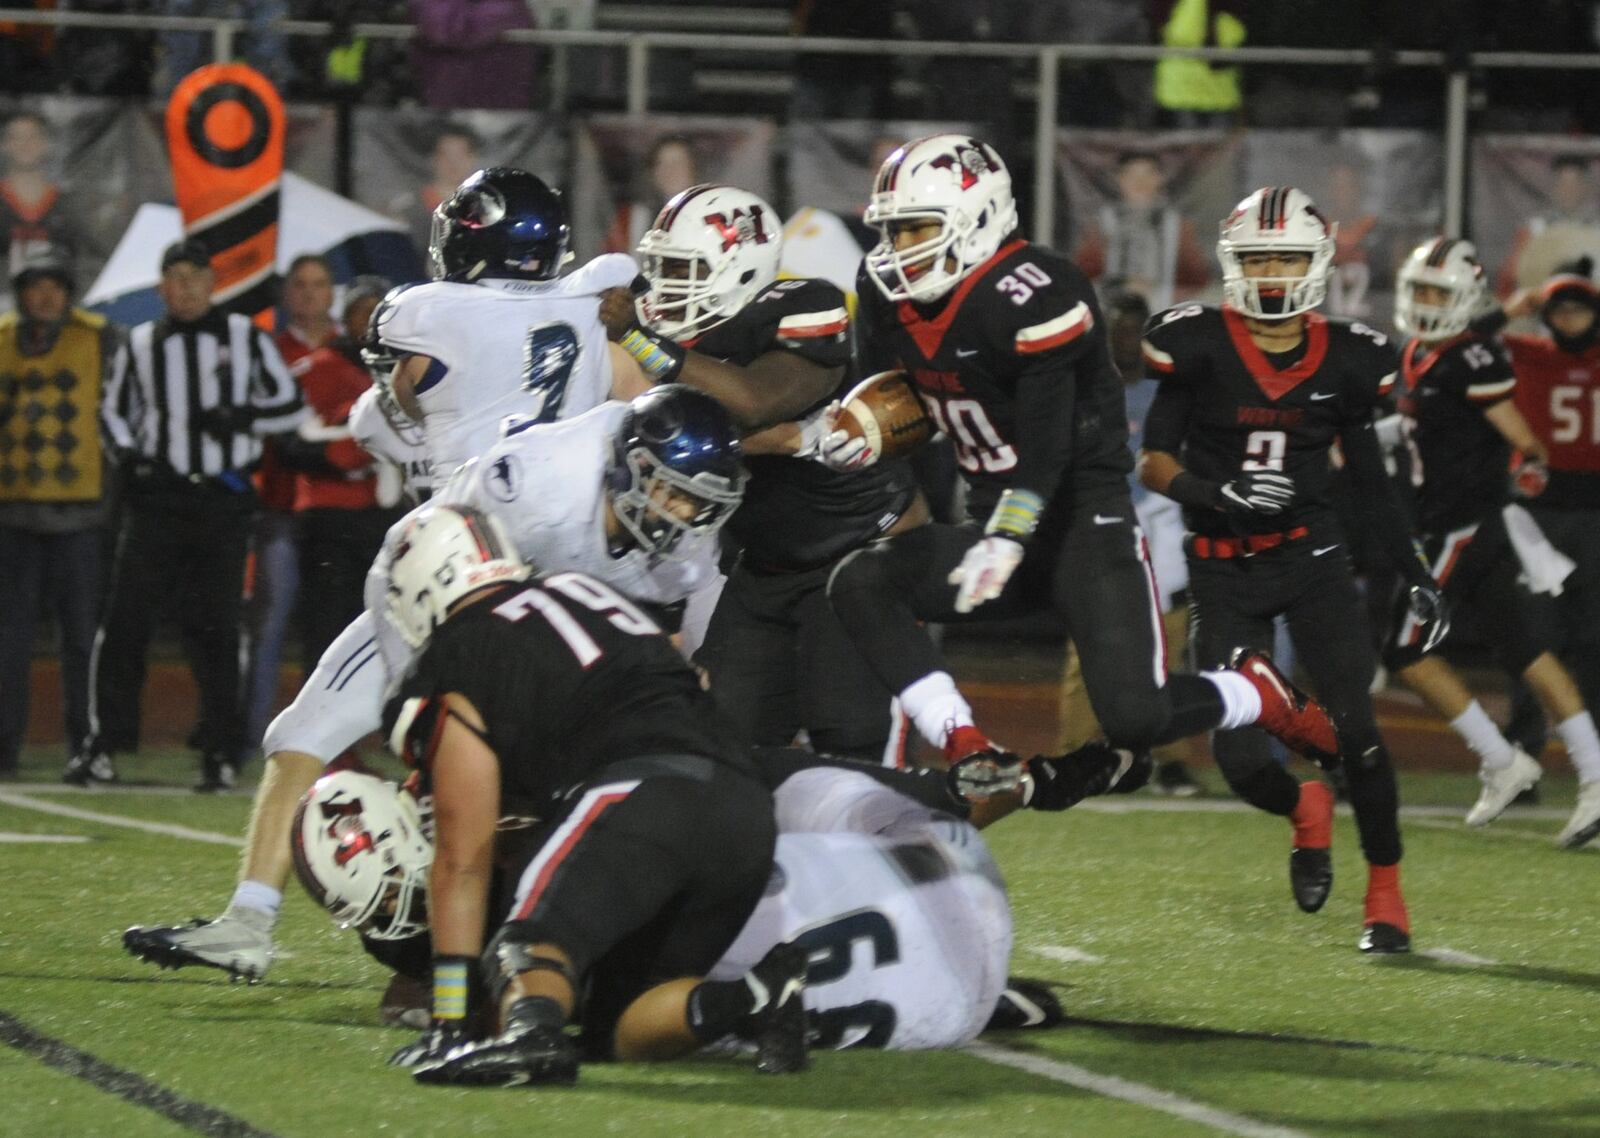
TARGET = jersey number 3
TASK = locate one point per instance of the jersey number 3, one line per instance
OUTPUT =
(548, 357)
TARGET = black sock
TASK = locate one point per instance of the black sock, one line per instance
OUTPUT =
(1196, 707)
(1270, 788)
(715, 1008)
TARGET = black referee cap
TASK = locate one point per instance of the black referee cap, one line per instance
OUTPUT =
(186, 252)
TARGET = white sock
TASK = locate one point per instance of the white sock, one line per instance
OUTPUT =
(935, 706)
(1241, 703)
(1583, 745)
(259, 897)
(1478, 731)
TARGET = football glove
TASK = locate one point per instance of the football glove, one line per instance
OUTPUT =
(1432, 614)
(1529, 478)
(432, 1045)
(984, 571)
(1257, 493)
(822, 441)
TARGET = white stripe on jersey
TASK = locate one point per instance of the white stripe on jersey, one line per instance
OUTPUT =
(1067, 322)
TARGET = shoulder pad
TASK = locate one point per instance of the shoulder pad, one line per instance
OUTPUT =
(609, 270)
(806, 309)
(88, 319)
(1037, 301)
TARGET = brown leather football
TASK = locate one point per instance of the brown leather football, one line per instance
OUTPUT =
(884, 410)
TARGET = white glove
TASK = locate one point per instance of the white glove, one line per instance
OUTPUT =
(984, 571)
(822, 441)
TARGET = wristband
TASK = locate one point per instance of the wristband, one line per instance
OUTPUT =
(451, 975)
(661, 360)
(1016, 515)
(1191, 490)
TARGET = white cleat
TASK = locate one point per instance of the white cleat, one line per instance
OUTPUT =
(241, 947)
(1502, 786)
(1585, 821)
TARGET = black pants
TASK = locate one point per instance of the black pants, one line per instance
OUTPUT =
(336, 550)
(1576, 632)
(180, 550)
(648, 877)
(1088, 562)
(779, 660)
(62, 569)
(1478, 571)
(1310, 583)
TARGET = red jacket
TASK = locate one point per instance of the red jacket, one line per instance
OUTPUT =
(332, 381)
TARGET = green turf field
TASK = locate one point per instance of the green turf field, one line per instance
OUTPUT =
(1203, 1002)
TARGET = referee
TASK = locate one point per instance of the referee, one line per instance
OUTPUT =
(189, 398)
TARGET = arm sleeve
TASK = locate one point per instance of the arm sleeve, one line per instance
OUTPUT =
(1167, 421)
(1379, 505)
(116, 400)
(1059, 335)
(1046, 399)
(273, 392)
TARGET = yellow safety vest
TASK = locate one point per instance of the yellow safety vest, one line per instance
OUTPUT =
(50, 414)
(1194, 84)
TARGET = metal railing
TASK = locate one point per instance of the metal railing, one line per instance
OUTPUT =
(1047, 59)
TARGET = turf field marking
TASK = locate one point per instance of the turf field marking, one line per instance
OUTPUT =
(61, 810)
(1539, 836)
(1131, 805)
(1110, 1086)
(127, 1085)
(1064, 954)
(7, 838)
(1454, 956)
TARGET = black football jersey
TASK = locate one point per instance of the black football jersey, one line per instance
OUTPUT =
(1015, 368)
(1464, 459)
(1225, 406)
(797, 513)
(569, 677)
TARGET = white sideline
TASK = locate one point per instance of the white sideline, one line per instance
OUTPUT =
(7, 838)
(60, 810)
(1139, 805)
(1063, 953)
(1110, 1086)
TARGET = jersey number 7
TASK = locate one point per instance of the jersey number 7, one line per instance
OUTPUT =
(619, 612)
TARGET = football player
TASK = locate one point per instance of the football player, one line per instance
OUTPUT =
(558, 690)
(717, 317)
(498, 331)
(1005, 342)
(632, 493)
(1463, 426)
(1252, 397)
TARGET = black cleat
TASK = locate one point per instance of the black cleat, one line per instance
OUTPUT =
(531, 1056)
(1026, 1004)
(1380, 939)
(1311, 877)
(778, 1025)
(1063, 781)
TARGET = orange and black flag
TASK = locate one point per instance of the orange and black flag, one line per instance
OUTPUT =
(225, 138)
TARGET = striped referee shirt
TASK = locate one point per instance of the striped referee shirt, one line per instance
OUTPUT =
(168, 370)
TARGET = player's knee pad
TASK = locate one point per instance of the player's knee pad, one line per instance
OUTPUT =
(510, 954)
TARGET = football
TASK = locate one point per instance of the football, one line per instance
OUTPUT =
(885, 411)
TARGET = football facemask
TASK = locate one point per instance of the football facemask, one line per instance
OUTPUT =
(1450, 266)
(711, 251)
(1282, 220)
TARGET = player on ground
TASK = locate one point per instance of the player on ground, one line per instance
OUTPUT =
(1486, 553)
(717, 317)
(631, 493)
(559, 691)
(1253, 395)
(1006, 345)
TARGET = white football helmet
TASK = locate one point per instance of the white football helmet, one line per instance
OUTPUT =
(1276, 219)
(711, 250)
(362, 850)
(439, 556)
(952, 179)
(1446, 263)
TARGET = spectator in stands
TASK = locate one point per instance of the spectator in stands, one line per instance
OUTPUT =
(1141, 239)
(1194, 92)
(842, 86)
(457, 152)
(52, 489)
(459, 62)
(338, 523)
(263, 47)
(1358, 259)
(1572, 206)
(672, 169)
(33, 207)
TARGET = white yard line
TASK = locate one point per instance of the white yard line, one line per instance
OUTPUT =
(1544, 838)
(10, 839)
(1455, 956)
(60, 810)
(1125, 1090)
(1140, 805)
(1063, 953)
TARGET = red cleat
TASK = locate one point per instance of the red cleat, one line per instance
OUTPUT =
(1287, 713)
(1387, 927)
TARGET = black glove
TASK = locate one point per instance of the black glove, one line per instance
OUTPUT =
(1432, 614)
(1257, 494)
(433, 1044)
(224, 422)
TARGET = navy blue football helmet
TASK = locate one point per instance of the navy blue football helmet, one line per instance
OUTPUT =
(676, 445)
(500, 222)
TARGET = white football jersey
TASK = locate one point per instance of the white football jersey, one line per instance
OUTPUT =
(396, 441)
(909, 935)
(503, 347)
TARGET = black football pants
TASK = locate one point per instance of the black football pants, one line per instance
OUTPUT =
(1309, 582)
(779, 660)
(1088, 562)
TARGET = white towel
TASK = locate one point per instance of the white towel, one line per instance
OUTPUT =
(1544, 566)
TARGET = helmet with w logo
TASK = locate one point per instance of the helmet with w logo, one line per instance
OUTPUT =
(1282, 220)
(711, 250)
(1450, 272)
(954, 181)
